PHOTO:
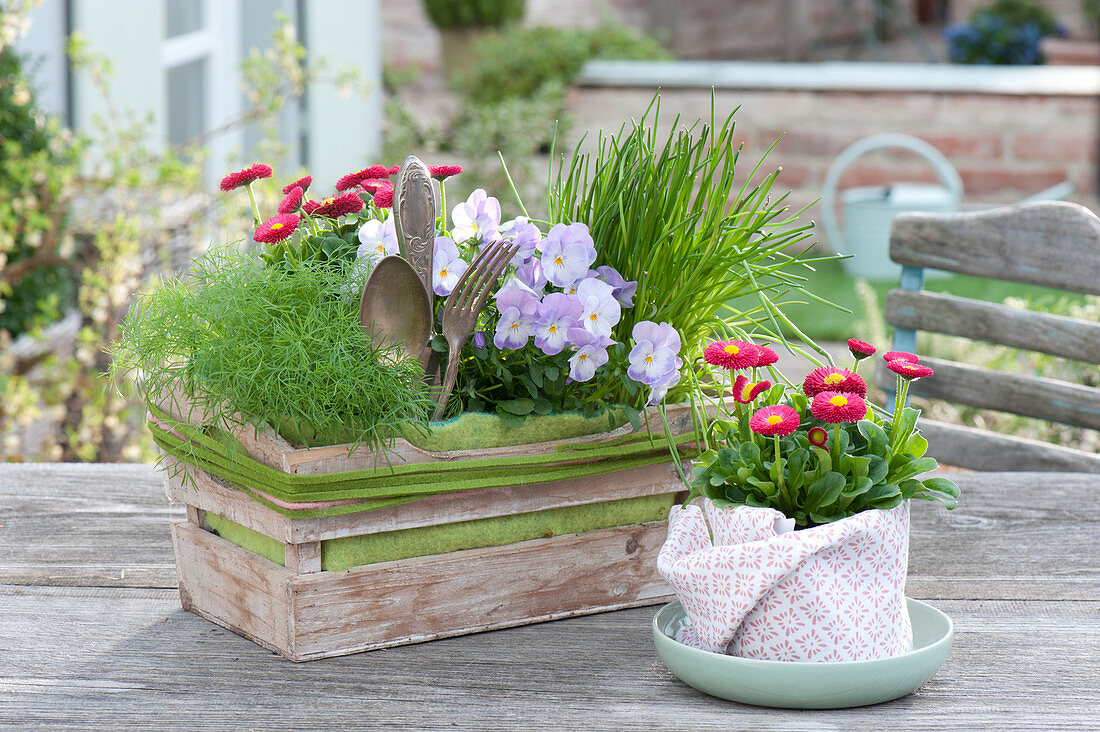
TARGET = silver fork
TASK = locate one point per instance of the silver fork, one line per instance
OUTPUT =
(459, 315)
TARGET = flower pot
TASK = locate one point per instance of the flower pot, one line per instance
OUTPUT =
(834, 592)
(1070, 51)
(290, 548)
(458, 47)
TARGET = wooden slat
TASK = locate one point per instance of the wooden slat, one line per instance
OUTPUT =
(1029, 396)
(303, 558)
(994, 323)
(218, 497)
(976, 449)
(307, 616)
(1051, 243)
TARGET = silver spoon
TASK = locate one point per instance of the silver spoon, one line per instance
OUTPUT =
(395, 308)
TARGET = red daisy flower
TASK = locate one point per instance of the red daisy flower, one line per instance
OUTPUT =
(818, 436)
(384, 198)
(732, 355)
(292, 201)
(334, 207)
(778, 419)
(909, 370)
(745, 391)
(767, 356)
(900, 356)
(302, 183)
(860, 349)
(246, 176)
(443, 172)
(829, 378)
(373, 185)
(276, 228)
(353, 179)
(833, 406)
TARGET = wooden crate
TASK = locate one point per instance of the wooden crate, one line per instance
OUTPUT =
(303, 613)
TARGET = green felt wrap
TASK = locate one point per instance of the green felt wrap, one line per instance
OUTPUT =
(220, 454)
(353, 551)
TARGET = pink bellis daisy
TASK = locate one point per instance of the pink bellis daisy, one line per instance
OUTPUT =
(292, 201)
(384, 197)
(443, 172)
(767, 357)
(835, 407)
(818, 436)
(276, 228)
(860, 349)
(302, 183)
(900, 356)
(732, 355)
(745, 391)
(246, 176)
(778, 419)
(909, 369)
(334, 207)
(351, 180)
(830, 378)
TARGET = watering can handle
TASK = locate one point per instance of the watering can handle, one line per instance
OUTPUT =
(947, 173)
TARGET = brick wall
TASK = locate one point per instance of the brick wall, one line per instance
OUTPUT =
(1004, 147)
(718, 29)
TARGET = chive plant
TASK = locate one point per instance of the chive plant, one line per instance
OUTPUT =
(668, 212)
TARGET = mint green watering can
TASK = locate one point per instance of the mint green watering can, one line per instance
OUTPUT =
(869, 210)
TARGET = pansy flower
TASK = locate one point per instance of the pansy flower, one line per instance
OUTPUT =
(654, 355)
(448, 266)
(732, 355)
(518, 309)
(601, 311)
(377, 239)
(521, 231)
(477, 218)
(246, 176)
(591, 353)
(276, 229)
(836, 407)
(622, 290)
(567, 252)
(557, 313)
(777, 419)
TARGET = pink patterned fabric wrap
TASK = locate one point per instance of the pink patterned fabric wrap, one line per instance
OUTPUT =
(831, 593)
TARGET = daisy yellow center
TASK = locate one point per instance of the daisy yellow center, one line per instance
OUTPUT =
(732, 349)
(276, 227)
(748, 390)
(774, 419)
(834, 379)
(838, 401)
(327, 201)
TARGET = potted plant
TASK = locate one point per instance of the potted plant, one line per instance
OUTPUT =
(304, 447)
(1082, 50)
(796, 548)
(463, 23)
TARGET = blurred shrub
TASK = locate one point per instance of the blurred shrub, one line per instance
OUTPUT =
(1091, 10)
(447, 14)
(1005, 32)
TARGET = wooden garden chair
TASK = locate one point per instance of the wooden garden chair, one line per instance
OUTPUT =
(1053, 244)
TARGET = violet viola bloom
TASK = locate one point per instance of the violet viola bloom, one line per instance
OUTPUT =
(558, 313)
(531, 275)
(622, 290)
(591, 353)
(567, 251)
(448, 265)
(654, 360)
(477, 218)
(600, 309)
(479, 340)
(517, 309)
(521, 231)
(377, 239)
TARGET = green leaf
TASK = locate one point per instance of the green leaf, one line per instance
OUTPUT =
(749, 453)
(877, 440)
(917, 446)
(942, 485)
(517, 406)
(824, 491)
(877, 469)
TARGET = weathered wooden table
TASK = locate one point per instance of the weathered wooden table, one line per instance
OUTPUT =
(92, 634)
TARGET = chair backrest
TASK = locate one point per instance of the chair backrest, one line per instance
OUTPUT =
(1053, 244)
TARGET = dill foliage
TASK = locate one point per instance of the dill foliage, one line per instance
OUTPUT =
(253, 344)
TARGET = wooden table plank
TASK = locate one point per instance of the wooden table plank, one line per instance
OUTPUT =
(76, 658)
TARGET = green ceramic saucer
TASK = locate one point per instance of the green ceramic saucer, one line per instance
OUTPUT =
(800, 685)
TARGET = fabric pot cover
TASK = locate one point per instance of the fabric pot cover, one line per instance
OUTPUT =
(834, 592)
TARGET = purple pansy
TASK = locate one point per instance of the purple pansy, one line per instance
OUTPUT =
(517, 309)
(591, 353)
(557, 314)
(477, 218)
(567, 251)
(654, 360)
(447, 264)
(601, 311)
(377, 239)
(521, 231)
(531, 275)
(622, 290)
